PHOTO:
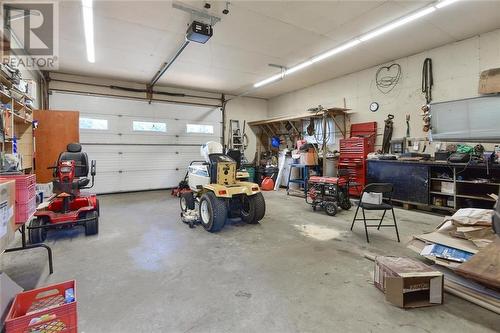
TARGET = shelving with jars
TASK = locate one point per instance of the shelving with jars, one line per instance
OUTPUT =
(17, 121)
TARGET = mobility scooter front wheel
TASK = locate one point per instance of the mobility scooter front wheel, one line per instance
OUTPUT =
(92, 224)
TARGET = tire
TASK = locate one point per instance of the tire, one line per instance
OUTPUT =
(38, 235)
(247, 211)
(213, 212)
(331, 208)
(260, 206)
(344, 201)
(97, 208)
(186, 201)
(92, 226)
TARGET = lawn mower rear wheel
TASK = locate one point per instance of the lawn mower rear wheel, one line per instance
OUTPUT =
(213, 212)
(248, 209)
(260, 206)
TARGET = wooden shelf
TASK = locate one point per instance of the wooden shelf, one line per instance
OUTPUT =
(6, 99)
(442, 193)
(5, 81)
(476, 197)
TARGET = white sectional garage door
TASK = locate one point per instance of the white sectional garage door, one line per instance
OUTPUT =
(137, 145)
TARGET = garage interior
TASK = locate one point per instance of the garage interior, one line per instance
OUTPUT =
(246, 166)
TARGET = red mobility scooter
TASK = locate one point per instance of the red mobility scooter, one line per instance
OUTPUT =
(68, 207)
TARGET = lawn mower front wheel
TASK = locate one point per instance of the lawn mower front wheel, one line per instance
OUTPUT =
(38, 235)
(186, 201)
(92, 224)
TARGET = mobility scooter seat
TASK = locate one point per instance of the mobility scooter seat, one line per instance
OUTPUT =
(74, 153)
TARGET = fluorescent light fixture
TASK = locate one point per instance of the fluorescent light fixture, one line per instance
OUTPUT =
(336, 50)
(298, 67)
(444, 3)
(88, 25)
(372, 34)
(397, 24)
(268, 80)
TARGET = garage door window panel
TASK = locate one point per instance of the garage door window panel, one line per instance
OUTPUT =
(199, 129)
(93, 124)
(149, 126)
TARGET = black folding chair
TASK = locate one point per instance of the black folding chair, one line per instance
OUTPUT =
(386, 190)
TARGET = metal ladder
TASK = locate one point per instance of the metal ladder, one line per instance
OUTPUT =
(236, 135)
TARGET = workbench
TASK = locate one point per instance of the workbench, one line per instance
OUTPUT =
(442, 186)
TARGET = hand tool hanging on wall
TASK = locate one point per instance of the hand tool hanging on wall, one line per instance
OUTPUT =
(427, 80)
(426, 117)
(386, 143)
(407, 125)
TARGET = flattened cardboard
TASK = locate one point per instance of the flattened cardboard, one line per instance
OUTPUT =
(441, 236)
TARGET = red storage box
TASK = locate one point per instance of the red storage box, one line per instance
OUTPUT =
(25, 211)
(25, 196)
(47, 311)
(25, 187)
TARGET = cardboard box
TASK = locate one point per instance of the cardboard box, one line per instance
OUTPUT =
(8, 290)
(489, 81)
(448, 187)
(309, 158)
(7, 216)
(408, 283)
(372, 198)
(46, 188)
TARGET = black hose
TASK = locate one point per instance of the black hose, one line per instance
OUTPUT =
(427, 80)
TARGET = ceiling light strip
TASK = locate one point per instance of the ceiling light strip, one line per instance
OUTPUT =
(88, 25)
(269, 80)
(397, 24)
(372, 34)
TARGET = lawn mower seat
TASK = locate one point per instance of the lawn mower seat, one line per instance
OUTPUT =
(74, 153)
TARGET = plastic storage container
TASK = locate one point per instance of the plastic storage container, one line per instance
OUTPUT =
(25, 196)
(43, 310)
(25, 211)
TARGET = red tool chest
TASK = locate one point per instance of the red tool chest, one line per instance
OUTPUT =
(353, 153)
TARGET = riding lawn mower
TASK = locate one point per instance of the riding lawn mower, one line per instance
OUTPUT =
(217, 192)
(68, 207)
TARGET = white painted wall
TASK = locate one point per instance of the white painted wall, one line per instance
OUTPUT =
(456, 66)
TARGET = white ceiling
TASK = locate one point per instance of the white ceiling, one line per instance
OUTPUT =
(133, 38)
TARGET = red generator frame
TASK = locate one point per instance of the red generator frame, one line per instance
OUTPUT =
(353, 154)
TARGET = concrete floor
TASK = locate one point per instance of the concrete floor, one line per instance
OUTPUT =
(148, 272)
